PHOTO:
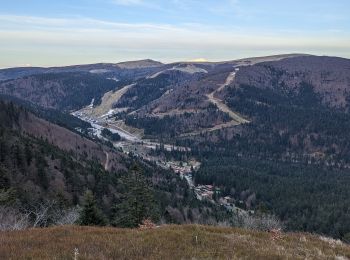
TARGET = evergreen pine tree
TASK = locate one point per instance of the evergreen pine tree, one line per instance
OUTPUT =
(90, 214)
(138, 203)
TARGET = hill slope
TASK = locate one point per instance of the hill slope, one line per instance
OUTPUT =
(63, 91)
(41, 162)
(329, 77)
(167, 242)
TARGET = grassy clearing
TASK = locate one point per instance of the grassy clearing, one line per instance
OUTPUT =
(167, 242)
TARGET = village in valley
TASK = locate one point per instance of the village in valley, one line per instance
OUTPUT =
(143, 148)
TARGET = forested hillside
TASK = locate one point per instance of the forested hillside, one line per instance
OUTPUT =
(43, 180)
(63, 91)
(292, 159)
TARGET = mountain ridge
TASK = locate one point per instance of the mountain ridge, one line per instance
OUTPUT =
(151, 61)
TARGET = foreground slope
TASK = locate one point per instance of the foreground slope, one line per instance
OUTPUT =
(167, 242)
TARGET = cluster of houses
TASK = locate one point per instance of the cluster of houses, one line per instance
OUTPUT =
(181, 169)
(205, 192)
(227, 202)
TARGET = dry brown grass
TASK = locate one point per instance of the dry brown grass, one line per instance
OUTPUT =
(167, 242)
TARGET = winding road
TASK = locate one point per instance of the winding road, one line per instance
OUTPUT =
(221, 105)
(236, 118)
(107, 161)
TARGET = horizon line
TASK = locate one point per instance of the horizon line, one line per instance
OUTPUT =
(171, 62)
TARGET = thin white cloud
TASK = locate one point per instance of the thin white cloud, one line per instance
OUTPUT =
(51, 39)
(39, 23)
(91, 32)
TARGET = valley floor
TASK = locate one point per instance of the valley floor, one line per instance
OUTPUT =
(166, 242)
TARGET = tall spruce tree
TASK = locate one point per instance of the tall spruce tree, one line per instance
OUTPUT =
(90, 214)
(138, 202)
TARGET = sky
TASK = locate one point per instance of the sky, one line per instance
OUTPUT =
(65, 32)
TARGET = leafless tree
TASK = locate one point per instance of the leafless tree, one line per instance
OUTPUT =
(261, 222)
(66, 216)
(40, 213)
(13, 219)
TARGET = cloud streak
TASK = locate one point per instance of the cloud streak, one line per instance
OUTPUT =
(105, 40)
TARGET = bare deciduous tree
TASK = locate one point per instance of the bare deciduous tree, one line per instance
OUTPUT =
(39, 215)
(13, 219)
(66, 217)
(262, 222)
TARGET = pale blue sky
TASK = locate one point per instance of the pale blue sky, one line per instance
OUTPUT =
(48, 33)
